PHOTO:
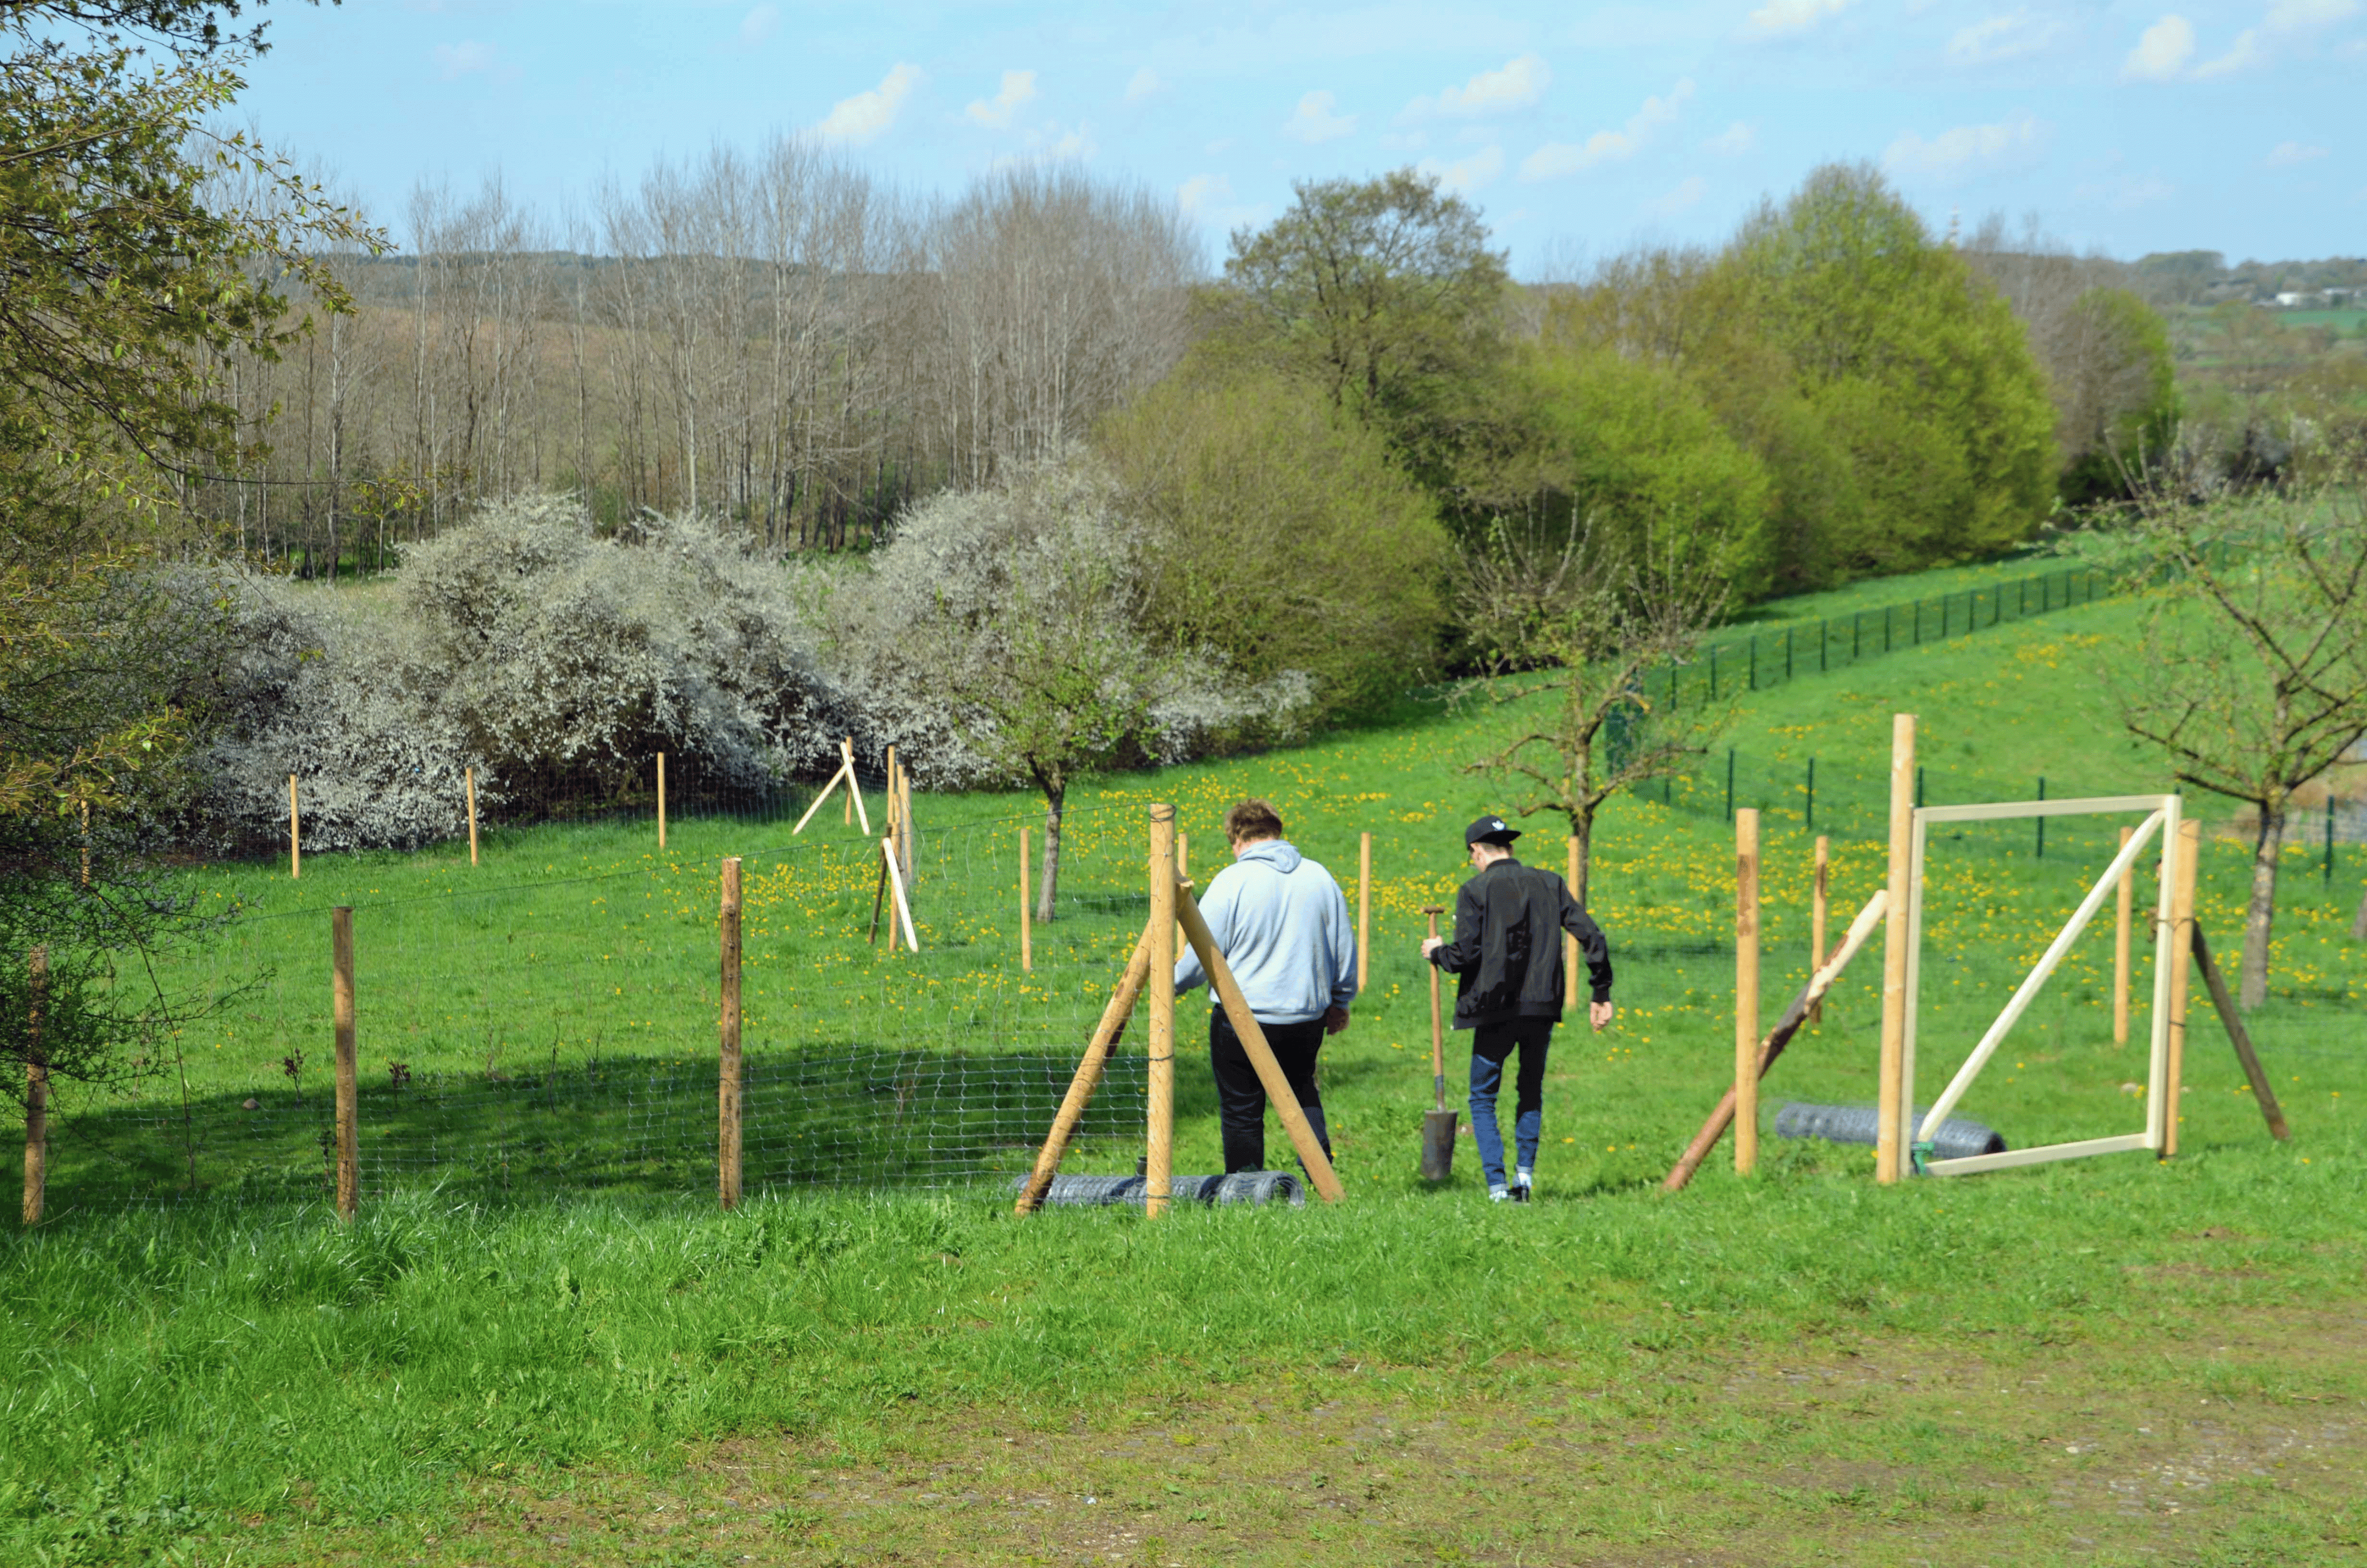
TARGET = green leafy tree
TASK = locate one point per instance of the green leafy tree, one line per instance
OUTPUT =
(2118, 393)
(1848, 282)
(1277, 532)
(1384, 293)
(122, 284)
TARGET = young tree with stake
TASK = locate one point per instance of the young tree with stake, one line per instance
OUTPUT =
(1605, 625)
(2251, 671)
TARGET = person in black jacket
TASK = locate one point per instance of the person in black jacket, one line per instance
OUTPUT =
(1506, 955)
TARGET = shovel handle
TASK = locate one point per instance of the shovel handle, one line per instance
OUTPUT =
(1437, 1032)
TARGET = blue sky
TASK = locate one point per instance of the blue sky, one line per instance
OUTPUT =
(1579, 128)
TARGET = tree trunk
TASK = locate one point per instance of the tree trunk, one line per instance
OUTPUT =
(1048, 882)
(2260, 915)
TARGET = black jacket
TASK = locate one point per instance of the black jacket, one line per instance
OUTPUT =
(1505, 952)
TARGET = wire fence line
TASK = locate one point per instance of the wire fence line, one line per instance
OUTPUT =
(1757, 660)
(563, 1034)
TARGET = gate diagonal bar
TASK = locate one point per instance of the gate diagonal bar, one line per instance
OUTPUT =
(2161, 820)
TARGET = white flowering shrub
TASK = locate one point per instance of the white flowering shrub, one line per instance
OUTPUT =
(553, 662)
(1003, 637)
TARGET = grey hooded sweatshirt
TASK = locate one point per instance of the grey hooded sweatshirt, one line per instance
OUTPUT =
(1283, 926)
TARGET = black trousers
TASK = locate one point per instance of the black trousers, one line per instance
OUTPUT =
(1241, 1098)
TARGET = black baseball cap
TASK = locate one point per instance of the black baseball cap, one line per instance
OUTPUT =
(1490, 830)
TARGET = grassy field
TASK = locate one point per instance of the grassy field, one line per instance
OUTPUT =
(2111, 1361)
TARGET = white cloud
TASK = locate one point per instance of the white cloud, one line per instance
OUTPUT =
(2009, 37)
(2162, 50)
(1466, 174)
(1073, 143)
(1201, 192)
(466, 58)
(1688, 193)
(1967, 149)
(1314, 122)
(1781, 19)
(1734, 141)
(1557, 159)
(1516, 84)
(867, 115)
(1018, 87)
(759, 24)
(1145, 83)
(2245, 54)
(2285, 154)
(2299, 15)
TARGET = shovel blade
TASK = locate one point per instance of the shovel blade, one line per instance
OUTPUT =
(1437, 1144)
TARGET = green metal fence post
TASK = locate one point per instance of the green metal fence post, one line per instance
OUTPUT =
(1809, 815)
(1754, 660)
(1919, 786)
(1824, 644)
(2329, 835)
(1788, 652)
(2040, 819)
(1729, 783)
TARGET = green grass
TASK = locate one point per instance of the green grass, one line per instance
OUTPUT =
(1797, 1368)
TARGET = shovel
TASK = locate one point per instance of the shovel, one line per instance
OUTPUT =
(1438, 1125)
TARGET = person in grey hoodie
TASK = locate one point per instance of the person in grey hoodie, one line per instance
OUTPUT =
(1282, 925)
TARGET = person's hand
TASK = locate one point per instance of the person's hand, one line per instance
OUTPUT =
(1430, 945)
(1334, 1021)
(1600, 1014)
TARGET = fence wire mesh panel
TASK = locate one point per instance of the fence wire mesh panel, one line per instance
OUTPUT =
(561, 1033)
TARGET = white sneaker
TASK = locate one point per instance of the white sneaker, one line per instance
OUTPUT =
(1498, 1194)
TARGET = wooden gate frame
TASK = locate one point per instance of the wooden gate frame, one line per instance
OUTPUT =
(2162, 820)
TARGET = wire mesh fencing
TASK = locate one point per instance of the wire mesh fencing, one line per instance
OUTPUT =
(563, 1034)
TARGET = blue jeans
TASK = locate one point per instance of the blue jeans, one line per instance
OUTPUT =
(1491, 1044)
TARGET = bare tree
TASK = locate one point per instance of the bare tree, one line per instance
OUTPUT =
(2251, 671)
(1583, 642)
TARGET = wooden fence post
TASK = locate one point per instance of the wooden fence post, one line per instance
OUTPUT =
(1568, 942)
(2188, 852)
(1364, 910)
(341, 1017)
(471, 775)
(1026, 916)
(727, 1090)
(661, 800)
(1820, 903)
(1890, 1115)
(1183, 856)
(2121, 948)
(295, 838)
(1746, 990)
(1159, 1164)
(37, 1093)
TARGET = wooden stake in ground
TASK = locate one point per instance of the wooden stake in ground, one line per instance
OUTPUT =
(37, 1092)
(469, 775)
(2263, 1095)
(1777, 1039)
(905, 821)
(1184, 856)
(1819, 904)
(295, 840)
(1088, 1076)
(1746, 990)
(660, 800)
(2181, 954)
(1363, 909)
(903, 906)
(1890, 1117)
(2121, 948)
(727, 1089)
(1026, 915)
(853, 789)
(1438, 1122)
(1254, 1045)
(1159, 1165)
(341, 1018)
(1569, 943)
